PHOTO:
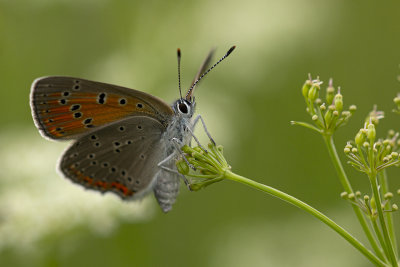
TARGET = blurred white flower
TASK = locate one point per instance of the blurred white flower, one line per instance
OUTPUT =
(35, 201)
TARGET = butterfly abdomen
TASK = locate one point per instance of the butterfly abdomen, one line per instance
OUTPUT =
(166, 188)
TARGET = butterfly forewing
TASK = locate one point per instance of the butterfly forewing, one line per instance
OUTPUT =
(121, 157)
(65, 107)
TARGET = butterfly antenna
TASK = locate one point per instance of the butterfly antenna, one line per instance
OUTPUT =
(190, 91)
(179, 71)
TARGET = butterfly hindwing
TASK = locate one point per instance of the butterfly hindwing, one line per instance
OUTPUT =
(121, 157)
(203, 67)
(66, 108)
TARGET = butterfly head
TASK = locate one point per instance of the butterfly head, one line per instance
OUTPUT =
(184, 108)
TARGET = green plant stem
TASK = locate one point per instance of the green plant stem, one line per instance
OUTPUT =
(336, 162)
(379, 234)
(347, 186)
(389, 247)
(385, 188)
(294, 201)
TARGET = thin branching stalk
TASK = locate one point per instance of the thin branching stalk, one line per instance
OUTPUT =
(389, 246)
(385, 189)
(347, 186)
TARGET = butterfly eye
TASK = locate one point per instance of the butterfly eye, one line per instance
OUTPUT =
(183, 108)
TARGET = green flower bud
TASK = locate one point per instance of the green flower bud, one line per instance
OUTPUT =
(197, 155)
(371, 134)
(378, 145)
(314, 117)
(391, 133)
(330, 93)
(353, 108)
(182, 167)
(373, 203)
(388, 195)
(358, 193)
(329, 114)
(318, 101)
(328, 117)
(354, 150)
(366, 144)
(394, 155)
(351, 196)
(339, 102)
(195, 187)
(398, 191)
(394, 207)
(360, 138)
(396, 100)
(343, 194)
(386, 142)
(366, 198)
(346, 113)
(313, 92)
(306, 88)
(347, 150)
(322, 107)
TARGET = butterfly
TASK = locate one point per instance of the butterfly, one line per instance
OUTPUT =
(124, 141)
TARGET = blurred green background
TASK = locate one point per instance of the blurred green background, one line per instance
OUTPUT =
(247, 103)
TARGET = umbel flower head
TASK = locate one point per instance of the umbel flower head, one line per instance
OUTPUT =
(370, 155)
(326, 115)
(203, 167)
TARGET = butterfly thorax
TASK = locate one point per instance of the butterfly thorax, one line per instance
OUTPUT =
(180, 124)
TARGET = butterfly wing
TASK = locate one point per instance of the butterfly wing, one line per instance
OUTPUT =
(121, 157)
(203, 67)
(66, 107)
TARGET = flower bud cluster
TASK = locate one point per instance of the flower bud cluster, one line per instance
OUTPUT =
(367, 204)
(369, 155)
(326, 115)
(203, 167)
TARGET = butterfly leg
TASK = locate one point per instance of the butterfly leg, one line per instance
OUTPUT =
(196, 120)
(197, 140)
(170, 157)
(162, 166)
(186, 181)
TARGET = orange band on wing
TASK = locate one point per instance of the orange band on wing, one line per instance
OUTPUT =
(104, 186)
(74, 114)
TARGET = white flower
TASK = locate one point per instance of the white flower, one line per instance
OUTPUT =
(35, 201)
